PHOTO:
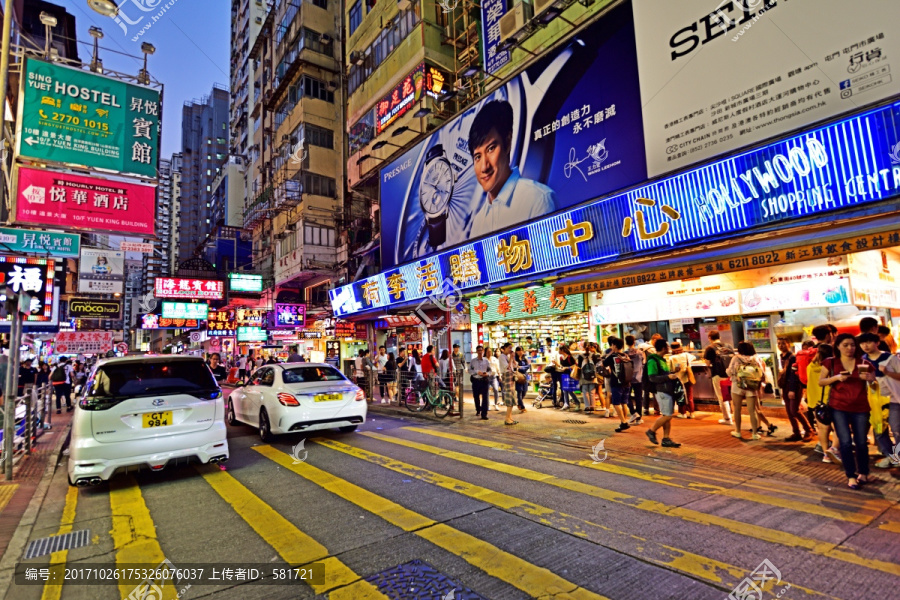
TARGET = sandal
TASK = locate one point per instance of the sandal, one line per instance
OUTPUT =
(510, 422)
(862, 479)
(854, 485)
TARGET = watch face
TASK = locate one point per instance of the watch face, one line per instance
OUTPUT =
(436, 187)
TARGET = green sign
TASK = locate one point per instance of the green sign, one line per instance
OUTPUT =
(185, 310)
(251, 334)
(242, 282)
(526, 303)
(63, 245)
(80, 118)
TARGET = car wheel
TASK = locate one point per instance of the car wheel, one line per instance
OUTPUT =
(265, 430)
(348, 428)
(232, 418)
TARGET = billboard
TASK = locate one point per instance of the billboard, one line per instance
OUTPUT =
(244, 282)
(251, 334)
(151, 321)
(68, 201)
(222, 322)
(195, 289)
(185, 310)
(29, 241)
(850, 163)
(565, 130)
(89, 308)
(83, 342)
(101, 271)
(424, 79)
(32, 275)
(77, 117)
(290, 315)
(526, 303)
(720, 75)
(491, 12)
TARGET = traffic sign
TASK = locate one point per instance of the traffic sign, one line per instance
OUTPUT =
(122, 347)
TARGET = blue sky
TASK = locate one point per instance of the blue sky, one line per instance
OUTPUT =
(192, 40)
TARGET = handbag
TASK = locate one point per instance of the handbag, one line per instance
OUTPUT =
(520, 377)
(824, 413)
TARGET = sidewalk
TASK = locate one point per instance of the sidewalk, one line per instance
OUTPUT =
(17, 495)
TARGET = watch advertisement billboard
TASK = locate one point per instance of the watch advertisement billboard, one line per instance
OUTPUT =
(522, 152)
(720, 75)
(101, 271)
(67, 201)
(77, 117)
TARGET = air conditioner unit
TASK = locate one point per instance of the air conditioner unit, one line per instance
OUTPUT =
(513, 24)
(259, 20)
(404, 4)
(357, 58)
(542, 6)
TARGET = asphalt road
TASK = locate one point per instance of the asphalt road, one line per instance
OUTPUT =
(413, 509)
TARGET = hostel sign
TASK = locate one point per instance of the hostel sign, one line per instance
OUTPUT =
(80, 118)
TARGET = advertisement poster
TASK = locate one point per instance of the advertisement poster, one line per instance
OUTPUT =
(101, 271)
(718, 76)
(81, 118)
(535, 152)
(68, 201)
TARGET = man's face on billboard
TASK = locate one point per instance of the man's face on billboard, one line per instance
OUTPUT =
(492, 163)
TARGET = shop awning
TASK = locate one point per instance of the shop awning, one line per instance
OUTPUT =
(402, 321)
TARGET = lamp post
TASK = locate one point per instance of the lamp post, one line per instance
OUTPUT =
(49, 22)
(96, 63)
(144, 76)
(107, 8)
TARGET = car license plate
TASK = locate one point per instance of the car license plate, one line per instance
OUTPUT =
(158, 419)
(328, 397)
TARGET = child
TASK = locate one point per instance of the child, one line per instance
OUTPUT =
(815, 394)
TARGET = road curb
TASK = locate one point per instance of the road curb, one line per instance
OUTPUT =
(29, 517)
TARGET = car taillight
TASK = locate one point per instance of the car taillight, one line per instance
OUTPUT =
(287, 399)
(360, 394)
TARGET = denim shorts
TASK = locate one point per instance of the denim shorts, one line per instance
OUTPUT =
(620, 394)
(666, 403)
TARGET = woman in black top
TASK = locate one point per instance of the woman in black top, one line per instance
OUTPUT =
(522, 366)
(390, 374)
(43, 374)
(567, 362)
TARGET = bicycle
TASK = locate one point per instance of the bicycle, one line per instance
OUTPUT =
(438, 398)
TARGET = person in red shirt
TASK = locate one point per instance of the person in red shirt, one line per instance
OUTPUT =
(430, 363)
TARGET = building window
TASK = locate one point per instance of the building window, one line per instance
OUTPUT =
(317, 185)
(355, 16)
(318, 236)
(317, 136)
(321, 3)
(382, 47)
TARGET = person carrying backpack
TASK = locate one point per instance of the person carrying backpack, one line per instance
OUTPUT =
(668, 388)
(587, 375)
(637, 388)
(718, 356)
(621, 373)
(685, 376)
(748, 373)
(62, 385)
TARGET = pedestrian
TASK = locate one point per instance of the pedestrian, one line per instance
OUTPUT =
(444, 363)
(884, 333)
(871, 325)
(380, 362)
(650, 402)
(403, 375)
(4, 368)
(27, 376)
(242, 368)
(459, 370)
(748, 374)
(849, 402)
(815, 395)
(496, 382)
(523, 366)
(882, 393)
(587, 376)
(294, 356)
(62, 385)
(791, 392)
(390, 375)
(566, 365)
(508, 369)
(217, 369)
(619, 366)
(415, 369)
(359, 370)
(552, 358)
(718, 356)
(271, 360)
(635, 397)
(686, 376)
(824, 334)
(479, 376)
(666, 385)
(43, 374)
(806, 355)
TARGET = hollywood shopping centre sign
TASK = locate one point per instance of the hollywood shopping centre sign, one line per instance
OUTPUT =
(848, 163)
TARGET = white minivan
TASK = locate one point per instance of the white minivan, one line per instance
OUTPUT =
(145, 412)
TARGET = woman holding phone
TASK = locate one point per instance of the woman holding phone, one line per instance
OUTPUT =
(848, 374)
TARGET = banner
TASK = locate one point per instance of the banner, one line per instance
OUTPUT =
(853, 162)
(527, 303)
(718, 75)
(101, 271)
(68, 201)
(77, 117)
(29, 241)
(491, 12)
(243, 282)
(142, 247)
(566, 130)
(197, 289)
(89, 308)
(83, 342)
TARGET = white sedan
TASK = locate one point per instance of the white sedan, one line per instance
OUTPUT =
(293, 397)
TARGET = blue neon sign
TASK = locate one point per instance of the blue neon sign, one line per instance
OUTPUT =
(848, 163)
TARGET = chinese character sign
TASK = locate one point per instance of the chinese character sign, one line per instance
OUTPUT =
(290, 315)
(200, 289)
(491, 11)
(67, 201)
(63, 245)
(76, 117)
(156, 322)
(34, 276)
(221, 323)
(185, 310)
(101, 271)
(83, 342)
(539, 301)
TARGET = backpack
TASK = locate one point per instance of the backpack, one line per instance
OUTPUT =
(649, 386)
(804, 358)
(624, 369)
(724, 354)
(637, 358)
(749, 376)
(588, 369)
(58, 375)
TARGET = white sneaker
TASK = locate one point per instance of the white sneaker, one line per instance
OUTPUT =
(885, 463)
(608, 413)
(835, 454)
(827, 459)
(680, 416)
(565, 406)
(634, 419)
(725, 422)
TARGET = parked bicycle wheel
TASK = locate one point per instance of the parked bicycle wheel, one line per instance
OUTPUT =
(444, 402)
(413, 401)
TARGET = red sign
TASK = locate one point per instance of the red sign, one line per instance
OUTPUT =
(175, 287)
(401, 100)
(68, 201)
(83, 342)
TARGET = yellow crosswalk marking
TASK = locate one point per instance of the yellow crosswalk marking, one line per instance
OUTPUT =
(490, 559)
(58, 559)
(295, 547)
(813, 509)
(6, 493)
(746, 529)
(133, 532)
(701, 567)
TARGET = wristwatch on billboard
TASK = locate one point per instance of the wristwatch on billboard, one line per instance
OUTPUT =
(435, 190)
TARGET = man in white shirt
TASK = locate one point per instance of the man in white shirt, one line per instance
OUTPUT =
(480, 374)
(509, 198)
(380, 363)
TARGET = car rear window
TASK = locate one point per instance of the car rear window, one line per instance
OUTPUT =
(311, 375)
(120, 381)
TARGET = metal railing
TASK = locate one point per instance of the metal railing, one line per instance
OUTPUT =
(385, 388)
(32, 416)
